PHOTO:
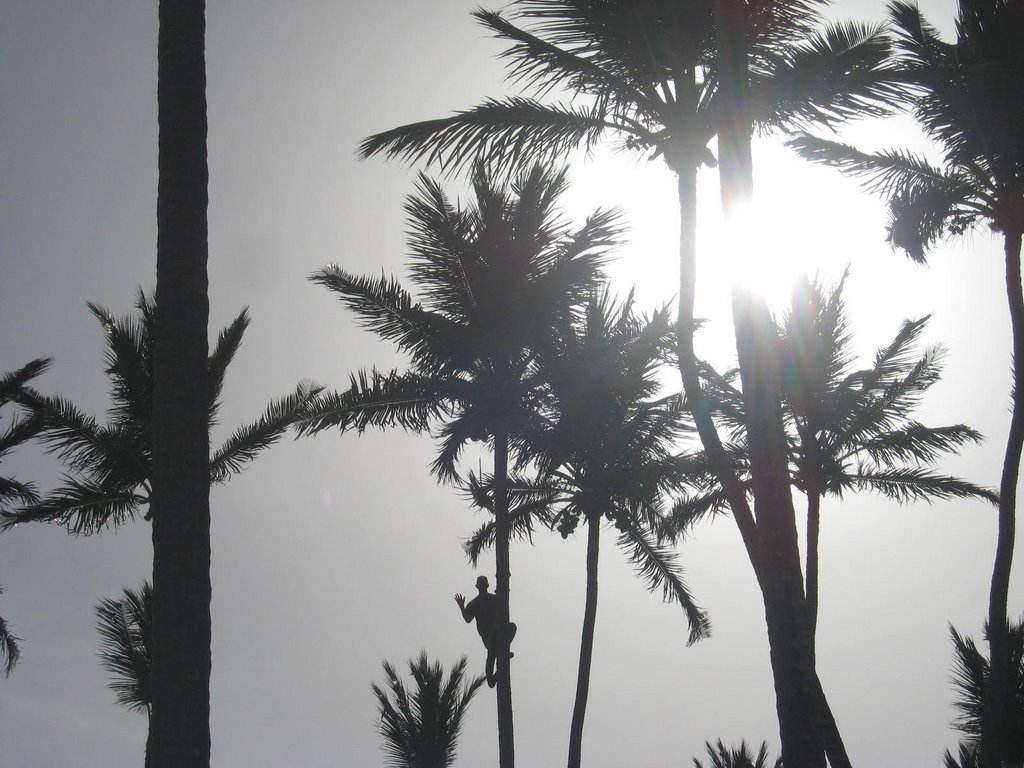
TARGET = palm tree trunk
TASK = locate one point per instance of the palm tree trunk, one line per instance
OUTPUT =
(506, 741)
(782, 586)
(813, 528)
(993, 719)
(180, 725)
(579, 711)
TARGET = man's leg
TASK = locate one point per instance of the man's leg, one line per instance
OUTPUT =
(491, 681)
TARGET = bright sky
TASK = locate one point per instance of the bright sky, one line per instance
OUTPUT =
(331, 554)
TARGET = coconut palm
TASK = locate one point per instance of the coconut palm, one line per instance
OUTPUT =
(971, 679)
(604, 451)
(112, 466)
(12, 490)
(968, 104)
(850, 429)
(496, 280)
(125, 625)
(648, 74)
(180, 728)
(720, 756)
(420, 727)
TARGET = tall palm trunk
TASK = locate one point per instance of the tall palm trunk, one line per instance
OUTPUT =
(993, 721)
(778, 554)
(813, 533)
(502, 528)
(180, 725)
(579, 711)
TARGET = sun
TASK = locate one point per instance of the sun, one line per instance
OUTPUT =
(804, 220)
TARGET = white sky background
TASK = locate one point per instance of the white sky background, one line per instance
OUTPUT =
(331, 554)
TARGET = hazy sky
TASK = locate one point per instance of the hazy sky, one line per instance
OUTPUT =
(331, 554)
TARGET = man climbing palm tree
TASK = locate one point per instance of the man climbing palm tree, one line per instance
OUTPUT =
(484, 608)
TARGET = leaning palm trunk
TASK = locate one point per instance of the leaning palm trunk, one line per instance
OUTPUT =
(506, 740)
(180, 725)
(776, 549)
(993, 737)
(579, 711)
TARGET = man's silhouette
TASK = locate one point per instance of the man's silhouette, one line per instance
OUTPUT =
(484, 608)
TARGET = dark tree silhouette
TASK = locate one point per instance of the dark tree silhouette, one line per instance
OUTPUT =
(125, 625)
(720, 756)
(497, 278)
(649, 74)
(112, 466)
(971, 678)
(849, 429)
(968, 102)
(180, 508)
(420, 726)
(12, 491)
(604, 450)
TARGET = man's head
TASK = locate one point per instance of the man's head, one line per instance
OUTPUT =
(482, 583)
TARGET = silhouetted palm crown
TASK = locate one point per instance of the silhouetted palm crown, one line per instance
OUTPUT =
(420, 725)
(604, 445)
(110, 465)
(968, 101)
(496, 280)
(647, 72)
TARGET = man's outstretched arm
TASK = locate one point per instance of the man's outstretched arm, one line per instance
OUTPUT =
(466, 615)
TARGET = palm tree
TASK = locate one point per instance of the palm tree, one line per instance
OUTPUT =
(420, 728)
(848, 429)
(853, 429)
(497, 278)
(12, 490)
(180, 726)
(125, 625)
(720, 756)
(113, 466)
(603, 450)
(649, 76)
(968, 103)
(972, 677)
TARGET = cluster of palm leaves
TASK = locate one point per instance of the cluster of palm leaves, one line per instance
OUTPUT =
(109, 467)
(420, 725)
(21, 428)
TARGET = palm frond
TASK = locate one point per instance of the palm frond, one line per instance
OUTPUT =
(375, 399)
(250, 440)
(917, 484)
(82, 507)
(657, 566)
(125, 628)
(228, 342)
(839, 72)
(509, 133)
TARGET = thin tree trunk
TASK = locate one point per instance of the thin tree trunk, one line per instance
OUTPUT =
(180, 725)
(579, 711)
(993, 720)
(778, 554)
(506, 741)
(782, 585)
(813, 528)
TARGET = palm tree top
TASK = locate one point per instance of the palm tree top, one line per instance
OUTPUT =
(109, 465)
(646, 73)
(496, 279)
